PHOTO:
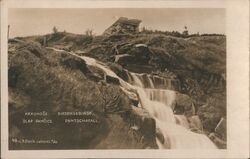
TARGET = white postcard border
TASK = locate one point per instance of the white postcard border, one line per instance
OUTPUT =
(237, 32)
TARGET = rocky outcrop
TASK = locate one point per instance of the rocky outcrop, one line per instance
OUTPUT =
(124, 59)
(123, 136)
(195, 123)
(218, 141)
(184, 105)
(145, 124)
(110, 79)
(136, 58)
(74, 63)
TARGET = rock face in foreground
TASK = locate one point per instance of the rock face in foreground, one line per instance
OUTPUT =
(49, 83)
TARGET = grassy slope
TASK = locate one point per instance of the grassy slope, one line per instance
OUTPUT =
(44, 80)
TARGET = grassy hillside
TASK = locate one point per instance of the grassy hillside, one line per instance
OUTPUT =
(41, 79)
(45, 78)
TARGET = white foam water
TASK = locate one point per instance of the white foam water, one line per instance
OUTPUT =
(175, 128)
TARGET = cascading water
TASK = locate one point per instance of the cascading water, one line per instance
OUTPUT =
(174, 128)
(158, 103)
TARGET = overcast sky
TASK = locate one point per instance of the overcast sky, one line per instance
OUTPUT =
(25, 22)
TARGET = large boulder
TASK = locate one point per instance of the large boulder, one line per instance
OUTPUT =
(195, 122)
(123, 136)
(146, 125)
(113, 80)
(124, 59)
(218, 142)
(119, 71)
(141, 54)
(74, 62)
(210, 116)
(184, 105)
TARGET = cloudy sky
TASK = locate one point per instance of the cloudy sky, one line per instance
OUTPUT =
(25, 22)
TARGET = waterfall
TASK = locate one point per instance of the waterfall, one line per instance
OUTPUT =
(160, 96)
(158, 102)
(137, 80)
(175, 128)
(151, 82)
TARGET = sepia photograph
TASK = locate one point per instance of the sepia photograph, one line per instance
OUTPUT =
(119, 78)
